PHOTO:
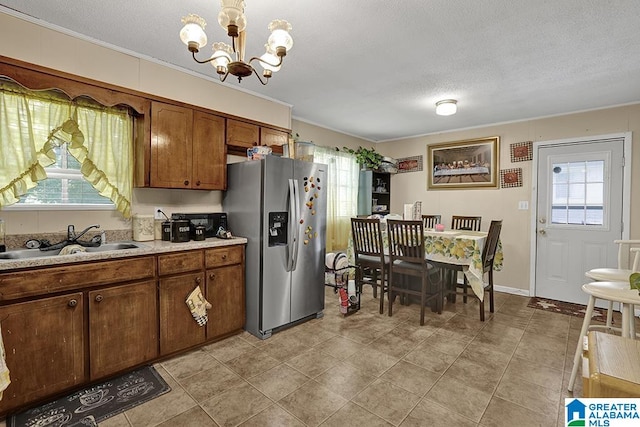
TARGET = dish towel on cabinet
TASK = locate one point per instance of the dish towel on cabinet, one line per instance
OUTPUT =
(198, 306)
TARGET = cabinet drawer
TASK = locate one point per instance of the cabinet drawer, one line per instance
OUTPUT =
(224, 256)
(180, 262)
(47, 280)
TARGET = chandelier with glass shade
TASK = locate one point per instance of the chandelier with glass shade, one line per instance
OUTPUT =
(230, 59)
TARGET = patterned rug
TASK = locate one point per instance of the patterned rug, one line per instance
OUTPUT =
(566, 308)
(88, 407)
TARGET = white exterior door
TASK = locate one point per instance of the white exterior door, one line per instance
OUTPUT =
(579, 213)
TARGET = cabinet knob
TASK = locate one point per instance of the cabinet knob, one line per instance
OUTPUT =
(198, 280)
(212, 276)
(197, 182)
(99, 298)
(186, 182)
(224, 256)
(72, 303)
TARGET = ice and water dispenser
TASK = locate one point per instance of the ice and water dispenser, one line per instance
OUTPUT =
(278, 222)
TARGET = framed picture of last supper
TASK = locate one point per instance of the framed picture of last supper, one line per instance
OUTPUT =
(472, 163)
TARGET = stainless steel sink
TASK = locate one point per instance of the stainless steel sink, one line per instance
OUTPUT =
(36, 253)
(115, 247)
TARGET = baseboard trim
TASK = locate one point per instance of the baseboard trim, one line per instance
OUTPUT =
(509, 290)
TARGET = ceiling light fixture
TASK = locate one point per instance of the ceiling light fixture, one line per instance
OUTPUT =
(446, 107)
(230, 59)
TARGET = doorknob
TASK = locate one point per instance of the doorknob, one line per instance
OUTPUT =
(542, 232)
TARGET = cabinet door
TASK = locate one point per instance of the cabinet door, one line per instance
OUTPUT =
(209, 152)
(178, 328)
(225, 292)
(274, 139)
(241, 134)
(171, 146)
(123, 327)
(44, 346)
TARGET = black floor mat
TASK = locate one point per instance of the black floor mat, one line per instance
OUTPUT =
(89, 406)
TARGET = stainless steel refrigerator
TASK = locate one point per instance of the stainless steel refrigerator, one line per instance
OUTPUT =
(279, 205)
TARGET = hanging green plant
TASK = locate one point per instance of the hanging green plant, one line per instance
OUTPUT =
(368, 158)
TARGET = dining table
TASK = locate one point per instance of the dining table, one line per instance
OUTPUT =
(462, 247)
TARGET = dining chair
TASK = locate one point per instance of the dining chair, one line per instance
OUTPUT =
(430, 221)
(610, 291)
(372, 265)
(488, 255)
(470, 223)
(628, 250)
(406, 252)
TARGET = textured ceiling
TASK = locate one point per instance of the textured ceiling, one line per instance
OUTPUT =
(375, 68)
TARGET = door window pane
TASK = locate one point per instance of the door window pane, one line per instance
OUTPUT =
(578, 193)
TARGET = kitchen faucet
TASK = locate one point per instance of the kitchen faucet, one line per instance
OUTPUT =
(71, 234)
(72, 238)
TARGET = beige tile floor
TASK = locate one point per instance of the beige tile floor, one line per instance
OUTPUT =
(369, 369)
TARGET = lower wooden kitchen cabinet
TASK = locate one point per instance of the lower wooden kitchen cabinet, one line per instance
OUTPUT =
(180, 274)
(123, 318)
(226, 295)
(225, 290)
(66, 326)
(44, 346)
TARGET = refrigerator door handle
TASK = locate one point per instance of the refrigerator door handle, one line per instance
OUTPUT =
(292, 224)
(296, 223)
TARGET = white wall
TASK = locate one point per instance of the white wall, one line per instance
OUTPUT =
(503, 203)
(327, 137)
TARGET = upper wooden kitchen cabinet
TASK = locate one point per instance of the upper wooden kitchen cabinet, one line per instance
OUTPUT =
(242, 135)
(44, 346)
(187, 148)
(271, 137)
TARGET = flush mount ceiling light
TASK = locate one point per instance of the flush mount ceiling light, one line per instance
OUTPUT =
(230, 59)
(446, 107)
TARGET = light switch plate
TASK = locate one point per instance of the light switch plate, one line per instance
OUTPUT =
(523, 205)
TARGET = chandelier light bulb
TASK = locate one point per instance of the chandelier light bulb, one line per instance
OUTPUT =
(446, 107)
(270, 58)
(280, 37)
(232, 14)
(222, 52)
(192, 34)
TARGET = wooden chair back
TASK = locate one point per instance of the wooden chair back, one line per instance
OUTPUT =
(491, 245)
(430, 221)
(367, 237)
(471, 223)
(406, 240)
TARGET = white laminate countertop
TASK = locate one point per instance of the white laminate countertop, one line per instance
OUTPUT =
(147, 248)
